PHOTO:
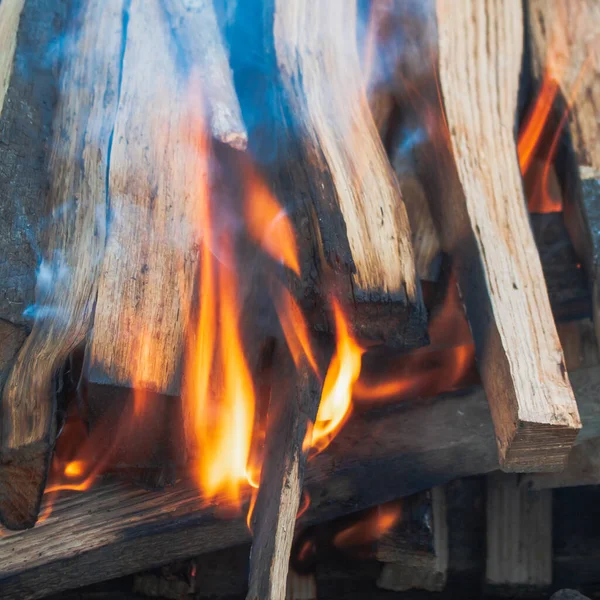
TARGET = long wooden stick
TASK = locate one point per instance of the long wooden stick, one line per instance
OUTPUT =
(489, 237)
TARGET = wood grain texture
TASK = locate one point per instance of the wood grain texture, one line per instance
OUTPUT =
(489, 237)
(320, 72)
(565, 45)
(519, 534)
(295, 396)
(25, 122)
(202, 52)
(424, 443)
(583, 468)
(147, 275)
(10, 13)
(66, 289)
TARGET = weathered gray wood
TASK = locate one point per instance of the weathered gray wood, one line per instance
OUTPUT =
(295, 396)
(73, 248)
(30, 74)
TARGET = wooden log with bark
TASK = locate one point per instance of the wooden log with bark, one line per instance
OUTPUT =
(488, 235)
(75, 236)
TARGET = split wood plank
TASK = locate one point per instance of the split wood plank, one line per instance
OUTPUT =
(565, 45)
(421, 569)
(565, 49)
(488, 235)
(519, 535)
(425, 443)
(202, 53)
(363, 224)
(295, 395)
(157, 168)
(66, 290)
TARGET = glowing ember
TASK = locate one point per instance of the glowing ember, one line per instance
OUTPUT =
(424, 372)
(372, 527)
(336, 399)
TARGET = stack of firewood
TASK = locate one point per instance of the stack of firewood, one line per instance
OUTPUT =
(115, 117)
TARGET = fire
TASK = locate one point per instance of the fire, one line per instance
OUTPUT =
(423, 372)
(371, 527)
(218, 388)
(269, 225)
(336, 398)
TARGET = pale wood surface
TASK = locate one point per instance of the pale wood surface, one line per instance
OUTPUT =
(519, 534)
(424, 443)
(202, 52)
(66, 288)
(321, 74)
(156, 171)
(488, 234)
(565, 43)
(10, 13)
(565, 48)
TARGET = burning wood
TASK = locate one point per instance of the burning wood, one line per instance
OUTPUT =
(507, 307)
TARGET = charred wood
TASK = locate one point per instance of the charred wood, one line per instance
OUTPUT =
(424, 442)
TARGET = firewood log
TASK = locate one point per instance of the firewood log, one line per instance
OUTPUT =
(66, 289)
(489, 237)
(147, 275)
(362, 222)
(194, 26)
(565, 49)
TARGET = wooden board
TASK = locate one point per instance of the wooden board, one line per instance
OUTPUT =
(66, 289)
(424, 443)
(488, 235)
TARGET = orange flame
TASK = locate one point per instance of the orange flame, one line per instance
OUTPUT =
(336, 398)
(218, 388)
(269, 225)
(371, 527)
(427, 372)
